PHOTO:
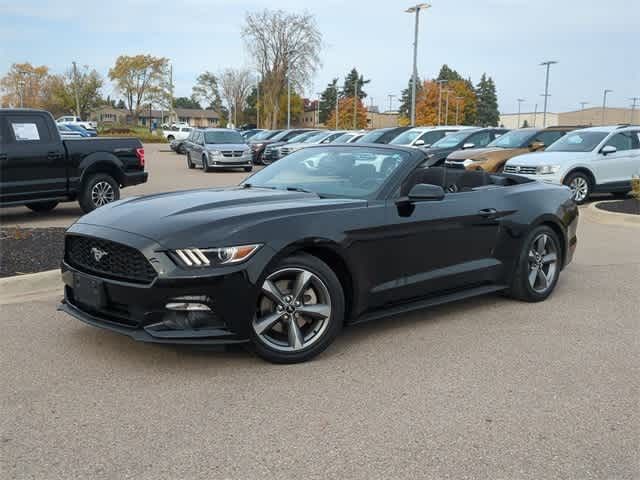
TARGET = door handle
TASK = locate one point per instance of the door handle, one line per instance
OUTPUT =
(487, 212)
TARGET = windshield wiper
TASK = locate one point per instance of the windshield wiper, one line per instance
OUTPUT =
(298, 189)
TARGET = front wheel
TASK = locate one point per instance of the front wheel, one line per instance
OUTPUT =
(300, 310)
(98, 190)
(190, 164)
(580, 185)
(538, 266)
(205, 164)
(42, 206)
(248, 169)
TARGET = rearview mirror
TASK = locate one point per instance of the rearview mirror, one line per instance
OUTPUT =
(534, 146)
(425, 191)
(607, 149)
(419, 143)
(468, 145)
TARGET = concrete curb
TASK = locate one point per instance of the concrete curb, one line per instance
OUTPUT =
(30, 286)
(610, 218)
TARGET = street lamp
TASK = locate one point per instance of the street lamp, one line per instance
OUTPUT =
(317, 122)
(458, 108)
(446, 110)
(337, 102)
(604, 104)
(582, 104)
(633, 107)
(415, 9)
(520, 100)
(546, 90)
(391, 96)
(440, 82)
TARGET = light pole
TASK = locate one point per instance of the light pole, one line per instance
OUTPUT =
(317, 122)
(446, 110)
(604, 104)
(458, 108)
(415, 9)
(535, 115)
(75, 87)
(440, 82)
(633, 107)
(288, 101)
(582, 104)
(520, 100)
(391, 97)
(337, 102)
(355, 104)
(258, 102)
(546, 90)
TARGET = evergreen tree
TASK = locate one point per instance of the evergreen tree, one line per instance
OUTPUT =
(488, 114)
(525, 124)
(328, 101)
(352, 79)
(405, 98)
(186, 102)
(250, 111)
(448, 74)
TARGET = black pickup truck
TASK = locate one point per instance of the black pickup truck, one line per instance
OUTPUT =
(39, 169)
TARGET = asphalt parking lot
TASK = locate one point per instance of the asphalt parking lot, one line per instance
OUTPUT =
(488, 388)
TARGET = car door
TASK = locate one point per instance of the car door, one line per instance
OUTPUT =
(548, 137)
(615, 169)
(34, 164)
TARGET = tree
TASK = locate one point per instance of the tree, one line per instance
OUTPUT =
(297, 108)
(284, 46)
(121, 104)
(62, 90)
(250, 112)
(141, 78)
(345, 114)
(328, 101)
(405, 99)
(186, 102)
(488, 114)
(25, 85)
(352, 79)
(462, 98)
(448, 74)
(206, 91)
(427, 104)
(235, 85)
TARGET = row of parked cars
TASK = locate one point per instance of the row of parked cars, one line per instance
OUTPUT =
(74, 127)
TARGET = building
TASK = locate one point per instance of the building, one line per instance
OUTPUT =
(310, 118)
(382, 120)
(588, 117)
(121, 116)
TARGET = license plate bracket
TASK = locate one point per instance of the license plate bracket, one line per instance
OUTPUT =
(89, 291)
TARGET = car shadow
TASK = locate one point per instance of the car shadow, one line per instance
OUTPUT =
(18, 215)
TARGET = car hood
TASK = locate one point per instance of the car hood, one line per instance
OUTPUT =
(200, 217)
(473, 153)
(437, 152)
(546, 158)
(227, 146)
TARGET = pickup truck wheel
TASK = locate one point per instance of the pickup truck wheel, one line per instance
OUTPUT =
(98, 190)
(189, 162)
(42, 206)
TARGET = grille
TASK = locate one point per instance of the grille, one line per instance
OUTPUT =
(119, 262)
(231, 153)
(284, 151)
(519, 169)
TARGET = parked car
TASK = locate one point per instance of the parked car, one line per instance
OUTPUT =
(381, 135)
(176, 133)
(464, 139)
(273, 151)
(305, 140)
(597, 159)
(66, 132)
(281, 138)
(77, 121)
(295, 252)
(180, 146)
(216, 148)
(258, 143)
(247, 134)
(424, 136)
(349, 137)
(493, 157)
(39, 169)
(80, 129)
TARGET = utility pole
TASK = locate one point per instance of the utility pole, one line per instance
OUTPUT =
(633, 107)
(546, 90)
(288, 101)
(75, 88)
(258, 102)
(457, 108)
(172, 112)
(415, 9)
(355, 104)
(337, 102)
(440, 82)
(582, 104)
(520, 100)
(318, 109)
(391, 97)
(604, 105)
(535, 114)
(446, 114)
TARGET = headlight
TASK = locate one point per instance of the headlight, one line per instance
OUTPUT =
(208, 257)
(214, 153)
(467, 162)
(547, 169)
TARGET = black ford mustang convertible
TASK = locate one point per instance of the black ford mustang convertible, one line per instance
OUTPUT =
(327, 236)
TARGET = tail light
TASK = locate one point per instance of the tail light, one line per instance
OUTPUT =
(140, 155)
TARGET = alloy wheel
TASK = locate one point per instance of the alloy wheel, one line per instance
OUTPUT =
(579, 188)
(294, 310)
(102, 193)
(543, 263)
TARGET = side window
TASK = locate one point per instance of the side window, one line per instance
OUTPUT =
(548, 137)
(432, 137)
(480, 139)
(29, 129)
(622, 141)
(636, 138)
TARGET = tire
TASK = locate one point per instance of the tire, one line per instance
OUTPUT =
(580, 185)
(190, 164)
(205, 164)
(171, 138)
(317, 313)
(532, 259)
(42, 206)
(180, 150)
(248, 169)
(98, 190)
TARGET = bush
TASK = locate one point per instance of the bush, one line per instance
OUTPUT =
(635, 187)
(139, 132)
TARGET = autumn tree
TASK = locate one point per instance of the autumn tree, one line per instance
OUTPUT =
(297, 108)
(235, 85)
(462, 100)
(345, 115)
(488, 114)
(352, 81)
(140, 79)
(207, 91)
(62, 90)
(285, 47)
(427, 104)
(25, 85)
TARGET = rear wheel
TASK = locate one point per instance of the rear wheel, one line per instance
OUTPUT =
(42, 206)
(248, 169)
(98, 190)
(580, 185)
(189, 162)
(538, 266)
(300, 311)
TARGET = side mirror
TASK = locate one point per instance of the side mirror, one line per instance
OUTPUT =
(535, 146)
(468, 145)
(419, 143)
(607, 149)
(424, 191)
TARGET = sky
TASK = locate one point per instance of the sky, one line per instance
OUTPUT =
(595, 42)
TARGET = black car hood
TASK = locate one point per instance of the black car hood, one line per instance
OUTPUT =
(199, 217)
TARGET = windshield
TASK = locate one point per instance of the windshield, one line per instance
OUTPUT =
(280, 136)
(332, 171)
(301, 137)
(407, 137)
(371, 137)
(513, 139)
(264, 135)
(578, 142)
(317, 137)
(220, 136)
(451, 140)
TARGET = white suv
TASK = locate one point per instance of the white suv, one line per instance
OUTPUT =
(77, 121)
(597, 159)
(424, 136)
